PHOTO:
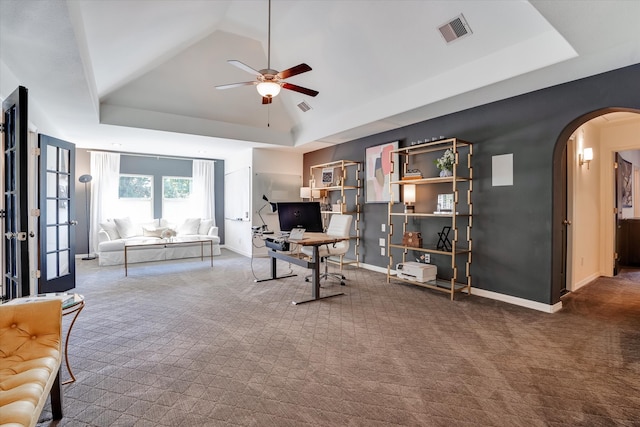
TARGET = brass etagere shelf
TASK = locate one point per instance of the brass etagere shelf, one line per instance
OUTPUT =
(347, 187)
(462, 176)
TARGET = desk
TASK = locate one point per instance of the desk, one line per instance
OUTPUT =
(310, 239)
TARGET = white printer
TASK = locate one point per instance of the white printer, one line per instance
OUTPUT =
(417, 271)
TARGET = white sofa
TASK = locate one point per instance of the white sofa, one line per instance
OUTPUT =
(114, 233)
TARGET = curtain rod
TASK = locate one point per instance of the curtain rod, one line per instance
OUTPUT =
(157, 156)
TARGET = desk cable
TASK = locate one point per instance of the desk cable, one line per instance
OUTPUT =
(260, 235)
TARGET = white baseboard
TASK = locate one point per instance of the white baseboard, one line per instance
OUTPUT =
(534, 305)
(585, 281)
(493, 295)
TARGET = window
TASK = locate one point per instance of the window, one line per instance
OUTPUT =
(135, 196)
(177, 203)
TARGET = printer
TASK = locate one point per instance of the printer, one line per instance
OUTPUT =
(416, 271)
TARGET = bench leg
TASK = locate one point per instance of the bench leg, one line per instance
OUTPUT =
(56, 398)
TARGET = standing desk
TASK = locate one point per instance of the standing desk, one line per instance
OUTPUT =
(314, 240)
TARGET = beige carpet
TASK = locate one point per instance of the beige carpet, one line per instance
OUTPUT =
(181, 344)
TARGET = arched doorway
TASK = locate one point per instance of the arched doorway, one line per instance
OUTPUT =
(561, 226)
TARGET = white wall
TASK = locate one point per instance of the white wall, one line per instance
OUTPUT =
(238, 233)
(584, 256)
(272, 161)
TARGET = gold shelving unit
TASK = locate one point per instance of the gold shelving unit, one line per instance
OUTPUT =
(462, 176)
(345, 190)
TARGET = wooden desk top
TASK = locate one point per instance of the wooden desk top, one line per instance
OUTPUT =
(316, 239)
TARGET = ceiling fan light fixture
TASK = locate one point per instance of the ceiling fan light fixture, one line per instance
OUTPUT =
(268, 89)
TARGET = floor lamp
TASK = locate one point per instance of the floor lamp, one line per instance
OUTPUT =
(86, 179)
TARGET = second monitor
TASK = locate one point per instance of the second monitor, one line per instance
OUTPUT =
(300, 215)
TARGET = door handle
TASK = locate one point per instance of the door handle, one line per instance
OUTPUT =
(73, 222)
(566, 222)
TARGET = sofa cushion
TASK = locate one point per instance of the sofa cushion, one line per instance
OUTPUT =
(189, 226)
(126, 228)
(111, 229)
(205, 225)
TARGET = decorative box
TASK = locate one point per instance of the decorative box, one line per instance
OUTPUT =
(412, 239)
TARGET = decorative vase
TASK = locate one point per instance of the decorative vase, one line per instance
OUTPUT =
(446, 172)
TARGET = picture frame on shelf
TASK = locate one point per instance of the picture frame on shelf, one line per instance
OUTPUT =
(327, 177)
(445, 203)
(378, 174)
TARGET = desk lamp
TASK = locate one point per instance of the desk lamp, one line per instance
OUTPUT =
(274, 208)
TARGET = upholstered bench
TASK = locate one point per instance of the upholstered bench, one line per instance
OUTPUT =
(30, 356)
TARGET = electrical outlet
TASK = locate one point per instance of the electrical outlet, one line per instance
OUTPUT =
(382, 251)
(381, 241)
(383, 227)
(425, 258)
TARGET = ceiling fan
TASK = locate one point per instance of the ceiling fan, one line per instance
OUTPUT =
(269, 82)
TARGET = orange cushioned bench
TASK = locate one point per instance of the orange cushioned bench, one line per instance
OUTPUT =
(30, 356)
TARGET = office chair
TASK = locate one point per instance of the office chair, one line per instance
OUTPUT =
(340, 226)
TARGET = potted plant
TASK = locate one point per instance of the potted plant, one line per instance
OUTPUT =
(445, 163)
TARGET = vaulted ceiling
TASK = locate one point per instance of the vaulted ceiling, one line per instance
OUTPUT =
(142, 73)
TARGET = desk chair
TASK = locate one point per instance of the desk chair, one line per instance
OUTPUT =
(339, 226)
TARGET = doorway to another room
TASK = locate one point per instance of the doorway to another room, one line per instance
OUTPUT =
(602, 200)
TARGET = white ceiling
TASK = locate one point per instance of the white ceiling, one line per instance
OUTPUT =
(142, 73)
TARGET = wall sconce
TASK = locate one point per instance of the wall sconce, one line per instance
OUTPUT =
(409, 197)
(586, 156)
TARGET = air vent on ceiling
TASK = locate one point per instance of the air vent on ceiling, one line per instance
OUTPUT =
(455, 29)
(304, 107)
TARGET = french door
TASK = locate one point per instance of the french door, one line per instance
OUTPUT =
(15, 201)
(57, 215)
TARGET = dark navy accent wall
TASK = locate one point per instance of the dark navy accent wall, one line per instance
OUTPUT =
(512, 226)
(156, 167)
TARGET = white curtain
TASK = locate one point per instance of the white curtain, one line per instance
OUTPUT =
(203, 189)
(105, 170)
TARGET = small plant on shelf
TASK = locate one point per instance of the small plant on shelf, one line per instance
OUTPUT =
(445, 162)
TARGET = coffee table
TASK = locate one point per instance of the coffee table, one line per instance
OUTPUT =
(166, 243)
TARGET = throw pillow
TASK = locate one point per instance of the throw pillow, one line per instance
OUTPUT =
(204, 227)
(152, 231)
(126, 228)
(111, 230)
(189, 226)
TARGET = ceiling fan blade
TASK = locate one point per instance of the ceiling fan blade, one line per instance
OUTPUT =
(266, 100)
(232, 85)
(298, 69)
(244, 67)
(300, 89)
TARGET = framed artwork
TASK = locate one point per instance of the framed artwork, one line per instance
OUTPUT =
(624, 182)
(327, 176)
(378, 174)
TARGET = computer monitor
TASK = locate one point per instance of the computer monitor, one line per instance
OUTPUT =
(300, 215)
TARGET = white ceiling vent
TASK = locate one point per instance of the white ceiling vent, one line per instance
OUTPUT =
(304, 107)
(455, 29)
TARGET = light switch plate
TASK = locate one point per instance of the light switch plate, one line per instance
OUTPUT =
(381, 242)
(383, 227)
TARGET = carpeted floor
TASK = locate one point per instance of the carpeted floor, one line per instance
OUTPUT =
(183, 344)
